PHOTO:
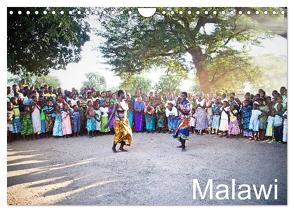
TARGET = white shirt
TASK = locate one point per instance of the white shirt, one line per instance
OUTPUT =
(173, 112)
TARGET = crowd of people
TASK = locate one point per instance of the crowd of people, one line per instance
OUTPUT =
(46, 111)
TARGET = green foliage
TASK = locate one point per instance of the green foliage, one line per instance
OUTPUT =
(168, 84)
(134, 43)
(96, 81)
(132, 83)
(48, 79)
(34, 80)
(37, 43)
(229, 72)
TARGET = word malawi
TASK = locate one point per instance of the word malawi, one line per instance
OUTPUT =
(241, 192)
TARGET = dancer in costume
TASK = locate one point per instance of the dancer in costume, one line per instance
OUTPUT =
(182, 130)
(122, 129)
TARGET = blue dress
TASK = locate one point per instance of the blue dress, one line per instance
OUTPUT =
(75, 117)
(91, 124)
(57, 127)
(246, 114)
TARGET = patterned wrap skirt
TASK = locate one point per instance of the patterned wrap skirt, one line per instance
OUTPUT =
(182, 130)
(122, 132)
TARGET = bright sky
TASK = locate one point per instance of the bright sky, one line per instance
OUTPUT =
(92, 61)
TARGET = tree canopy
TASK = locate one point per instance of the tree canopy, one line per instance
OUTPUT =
(39, 42)
(134, 43)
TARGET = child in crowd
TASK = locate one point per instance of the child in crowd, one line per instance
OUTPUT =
(104, 118)
(10, 115)
(192, 120)
(285, 127)
(97, 117)
(160, 117)
(36, 117)
(209, 116)
(16, 117)
(233, 128)
(66, 122)
(269, 126)
(224, 119)
(171, 114)
(278, 124)
(76, 120)
(43, 121)
(254, 121)
(216, 111)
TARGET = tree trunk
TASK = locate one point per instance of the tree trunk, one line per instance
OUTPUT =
(199, 61)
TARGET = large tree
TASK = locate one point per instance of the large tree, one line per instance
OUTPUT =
(133, 43)
(39, 42)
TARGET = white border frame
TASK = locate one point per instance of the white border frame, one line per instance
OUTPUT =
(131, 3)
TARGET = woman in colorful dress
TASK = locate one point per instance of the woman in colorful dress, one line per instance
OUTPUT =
(111, 121)
(57, 127)
(122, 130)
(139, 107)
(48, 109)
(182, 130)
(26, 123)
(201, 115)
(91, 121)
(246, 111)
(149, 118)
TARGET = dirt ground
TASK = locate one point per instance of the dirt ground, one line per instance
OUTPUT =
(84, 171)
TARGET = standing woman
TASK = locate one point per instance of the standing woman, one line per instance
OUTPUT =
(201, 115)
(139, 107)
(122, 130)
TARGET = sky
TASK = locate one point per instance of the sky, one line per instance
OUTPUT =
(92, 61)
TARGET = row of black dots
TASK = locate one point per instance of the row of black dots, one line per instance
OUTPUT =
(130, 12)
